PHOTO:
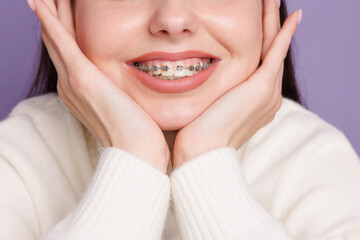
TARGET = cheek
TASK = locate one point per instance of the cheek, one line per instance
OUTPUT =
(245, 45)
(237, 27)
(103, 34)
(94, 33)
(246, 39)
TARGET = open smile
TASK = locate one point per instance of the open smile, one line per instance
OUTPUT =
(173, 72)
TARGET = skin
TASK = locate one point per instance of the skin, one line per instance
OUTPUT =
(187, 119)
(172, 26)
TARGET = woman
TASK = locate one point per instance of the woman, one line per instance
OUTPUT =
(192, 103)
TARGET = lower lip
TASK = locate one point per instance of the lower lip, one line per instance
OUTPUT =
(174, 86)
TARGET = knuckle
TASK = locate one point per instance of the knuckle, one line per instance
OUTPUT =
(266, 90)
(62, 90)
(76, 80)
(62, 94)
(62, 86)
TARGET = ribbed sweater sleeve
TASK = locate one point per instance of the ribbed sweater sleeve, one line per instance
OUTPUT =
(211, 201)
(126, 199)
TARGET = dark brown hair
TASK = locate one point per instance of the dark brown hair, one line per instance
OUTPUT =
(46, 76)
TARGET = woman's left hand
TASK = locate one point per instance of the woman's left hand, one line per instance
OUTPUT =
(237, 115)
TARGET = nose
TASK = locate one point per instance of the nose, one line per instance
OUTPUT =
(173, 19)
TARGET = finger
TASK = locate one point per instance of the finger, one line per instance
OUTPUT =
(271, 25)
(65, 14)
(279, 47)
(59, 36)
(50, 4)
(55, 58)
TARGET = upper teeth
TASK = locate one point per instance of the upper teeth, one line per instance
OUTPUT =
(173, 70)
(198, 67)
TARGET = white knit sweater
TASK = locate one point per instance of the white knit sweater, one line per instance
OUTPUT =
(296, 178)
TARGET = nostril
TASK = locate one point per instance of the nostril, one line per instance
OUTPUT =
(171, 32)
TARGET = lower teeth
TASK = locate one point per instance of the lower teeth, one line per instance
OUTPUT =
(169, 78)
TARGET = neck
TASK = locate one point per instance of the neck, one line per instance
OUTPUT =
(170, 138)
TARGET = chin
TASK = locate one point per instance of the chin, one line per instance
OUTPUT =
(171, 126)
(174, 119)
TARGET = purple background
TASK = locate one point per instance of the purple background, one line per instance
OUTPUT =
(326, 58)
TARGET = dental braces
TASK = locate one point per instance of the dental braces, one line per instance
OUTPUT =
(179, 68)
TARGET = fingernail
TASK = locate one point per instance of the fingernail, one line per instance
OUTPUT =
(278, 2)
(299, 15)
(31, 4)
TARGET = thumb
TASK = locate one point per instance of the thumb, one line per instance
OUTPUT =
(31, 4)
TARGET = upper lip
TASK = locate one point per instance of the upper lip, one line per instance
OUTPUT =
(171, 56)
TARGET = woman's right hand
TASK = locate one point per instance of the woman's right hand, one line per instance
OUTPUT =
(109, 113)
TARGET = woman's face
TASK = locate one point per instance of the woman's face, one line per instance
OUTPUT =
(112, 32)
